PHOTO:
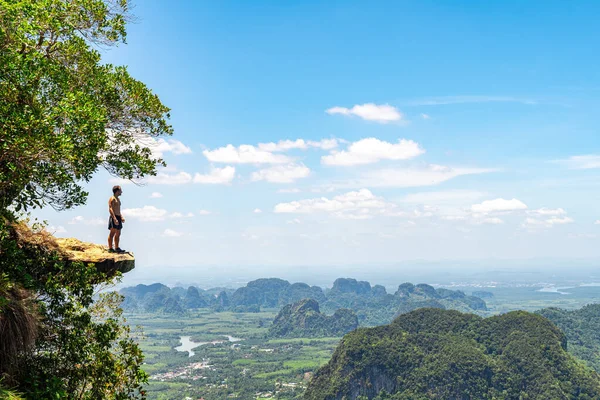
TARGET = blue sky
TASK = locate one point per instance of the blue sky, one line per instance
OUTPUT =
(336, 133)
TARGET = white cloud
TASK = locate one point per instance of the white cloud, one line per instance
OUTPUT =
(156, 146)
(146, 213)
(493, 221)
(547, 223)
(171, 233)
(204, 212)
(589, 161)
(547, 211)
(56, 229)
(216, 176)
(597, 222)
(160, 146)
(369, 111)
(285, 145)
(282, 173)
(489, 206)
(87, 221)
(163, 178)
(156, 195)
(244, 154)
(177, 214)
(293, 190)
(257, 211)
(425, 116)
(359, 204)
(559, 221)
(454, 217)
(372, 150)
(412, 177)
(169, 146)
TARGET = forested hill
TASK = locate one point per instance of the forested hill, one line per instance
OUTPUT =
(303, 319)
(444, 354)
(582, 328)
(372, 304)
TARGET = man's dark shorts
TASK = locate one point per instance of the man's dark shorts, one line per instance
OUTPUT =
(112, 225)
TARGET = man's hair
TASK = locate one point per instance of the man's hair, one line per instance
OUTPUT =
(115, 188)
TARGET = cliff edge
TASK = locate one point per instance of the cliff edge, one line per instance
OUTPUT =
(72, 250)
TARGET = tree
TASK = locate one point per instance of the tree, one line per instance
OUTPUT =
(63, 116)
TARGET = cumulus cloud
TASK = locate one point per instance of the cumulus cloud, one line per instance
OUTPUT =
(87, 221)
(361, 204)
(156, 195)
(597, 222)
(171, 233)
(372, 150)
(164, 178)
(546, 223)
(501, 205)
(589, 161)
(216, 176)
(547, 211)
(146, 213)
(292, 190)
(257, 211)
(559, 221)
(493, 221)
(160, 146)
(383, 113)
(282, 173)
(286, 145)
(56, 229)
(181, 215)
(245, 154)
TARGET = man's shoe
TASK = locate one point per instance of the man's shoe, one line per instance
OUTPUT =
(111, 250)
(119, 250)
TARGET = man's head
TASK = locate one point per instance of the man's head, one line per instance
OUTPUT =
(117, 190)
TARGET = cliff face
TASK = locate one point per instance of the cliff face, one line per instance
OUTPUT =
(443, 354)
(303, 319)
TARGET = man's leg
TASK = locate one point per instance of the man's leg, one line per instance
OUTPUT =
(111, 235)
(117, 237)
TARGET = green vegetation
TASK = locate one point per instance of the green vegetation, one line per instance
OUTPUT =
(276, 368)
(582, 329)
(303, 319)
(442, 354)
(62, 111)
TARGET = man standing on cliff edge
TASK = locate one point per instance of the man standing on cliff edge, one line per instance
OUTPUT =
(115, 221)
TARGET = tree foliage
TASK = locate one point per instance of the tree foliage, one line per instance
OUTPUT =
(64, 114)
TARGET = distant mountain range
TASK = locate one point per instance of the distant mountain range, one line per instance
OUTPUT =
(372, 304)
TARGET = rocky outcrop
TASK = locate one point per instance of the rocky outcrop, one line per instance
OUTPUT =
(303, 319)
(75, 250)
(72, 250)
